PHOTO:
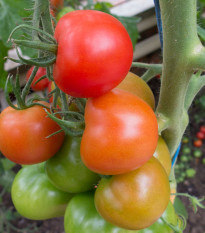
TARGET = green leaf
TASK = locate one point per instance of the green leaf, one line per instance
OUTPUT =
(1, 168)
(11, 13)
(3, 73)
(7, 164)
(103, 6)
(180, 208)
(7, 179)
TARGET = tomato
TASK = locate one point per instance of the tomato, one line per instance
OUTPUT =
(134, 200)
(163, 155)
(66, 170)
(159, 226)
(121, 133)
(200, 135)
(23, 135)
(55, 4)
(198, 143)
(41, 85)
(202, 129)
(82, 216)
(35, 197)
(138, 87)
(94, 53)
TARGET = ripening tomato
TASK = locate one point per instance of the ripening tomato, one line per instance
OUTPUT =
(94, 53)
(121, 133)
(198, 143)
(200, 135)
(23, 135)
(41, 85)
(134, 84)
(56, 4)
(202, 129)
(163, 155)
(134, 200)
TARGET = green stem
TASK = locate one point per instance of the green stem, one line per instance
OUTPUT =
(28, 84)
(196, 84)
(179, 18)
(52, 48)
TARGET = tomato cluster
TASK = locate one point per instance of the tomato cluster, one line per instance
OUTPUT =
(120, 140)
(200, 137)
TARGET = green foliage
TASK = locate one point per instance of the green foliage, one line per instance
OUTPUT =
(180, 208)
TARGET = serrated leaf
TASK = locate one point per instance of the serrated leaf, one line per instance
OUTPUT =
(180, 208)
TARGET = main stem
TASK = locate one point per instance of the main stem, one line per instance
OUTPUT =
(180, 42)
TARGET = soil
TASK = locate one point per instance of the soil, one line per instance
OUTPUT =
(194, 186)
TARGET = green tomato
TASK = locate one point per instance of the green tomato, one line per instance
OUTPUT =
(64, 11)
(35, 197)
(66, 170)
(82, 216)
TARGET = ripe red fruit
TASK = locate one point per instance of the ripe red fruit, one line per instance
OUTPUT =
(202, 129)
(200, 135)
(198, 143)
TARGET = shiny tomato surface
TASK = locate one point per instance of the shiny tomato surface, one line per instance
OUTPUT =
(134, 200)
(121, 133)
(94, 53)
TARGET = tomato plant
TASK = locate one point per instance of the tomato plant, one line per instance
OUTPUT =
(118, 118)
(55, 4)
(35, 197)
(66, 170)
(131, 200)
(41, 85)
(90, 67)
(23, 137)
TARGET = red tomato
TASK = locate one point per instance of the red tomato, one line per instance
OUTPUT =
(121, 133)
(202, 129)
(200, 135)
(137, 86)
(94, 53)
(55, 4)
(198, 143)
(40, 85)
(134, 200)
(23, 135)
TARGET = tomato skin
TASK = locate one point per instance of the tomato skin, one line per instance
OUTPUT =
(66, 170)
(121, 133)
(200, 135)
(198, 143)
(159, 226)
(23, 135)
(94, 54)
(40, 85)
(134, 200)
(163, 155)
(137, 86)
(35, 197)
(202, 129)
(55, 4)
(82, 216)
